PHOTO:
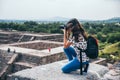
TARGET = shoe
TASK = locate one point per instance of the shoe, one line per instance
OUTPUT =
(84, 73)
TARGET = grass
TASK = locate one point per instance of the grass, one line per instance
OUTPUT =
(111, 51)
(113, 48)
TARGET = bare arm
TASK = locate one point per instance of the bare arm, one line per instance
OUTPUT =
(66, 42)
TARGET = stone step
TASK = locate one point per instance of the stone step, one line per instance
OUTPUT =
(25, 64)
(18, 66)
(53, 72)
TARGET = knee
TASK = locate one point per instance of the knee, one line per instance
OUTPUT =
(67, 49)
(64, 70)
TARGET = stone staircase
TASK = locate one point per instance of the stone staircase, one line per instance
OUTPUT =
(11, 37)
(29, 61)
(4, 38)
(25, 38)
(6, 63)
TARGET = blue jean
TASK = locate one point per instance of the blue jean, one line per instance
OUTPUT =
(73, 63)
(70, 53)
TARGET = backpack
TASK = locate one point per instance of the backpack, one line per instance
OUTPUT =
(92, 47)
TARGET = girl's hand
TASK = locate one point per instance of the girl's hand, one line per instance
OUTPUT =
(63, 30)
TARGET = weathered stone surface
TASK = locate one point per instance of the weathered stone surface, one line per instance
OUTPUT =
(4, 58)
(39, 45)
(114, 73)
(11, 37)
(53, 72)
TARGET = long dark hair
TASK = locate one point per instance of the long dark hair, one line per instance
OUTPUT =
(76, 29)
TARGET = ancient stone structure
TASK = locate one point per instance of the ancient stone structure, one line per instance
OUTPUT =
(24, 51)
(27, 51)
(12, 37)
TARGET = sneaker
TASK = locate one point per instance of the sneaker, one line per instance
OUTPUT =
(84, 73)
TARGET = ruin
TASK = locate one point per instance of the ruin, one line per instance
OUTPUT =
(22, 51)
(25, 50)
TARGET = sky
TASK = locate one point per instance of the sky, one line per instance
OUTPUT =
(43, 9)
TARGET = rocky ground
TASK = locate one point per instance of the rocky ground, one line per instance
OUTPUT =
(53, 72)
(4, 58)
(114, 72)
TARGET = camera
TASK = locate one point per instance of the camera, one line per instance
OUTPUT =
(62, 26)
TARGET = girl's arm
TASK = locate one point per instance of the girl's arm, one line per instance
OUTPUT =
(65, 38)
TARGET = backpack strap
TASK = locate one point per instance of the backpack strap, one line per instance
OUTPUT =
(81, 72)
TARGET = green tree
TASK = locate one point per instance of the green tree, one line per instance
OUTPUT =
(114, 37)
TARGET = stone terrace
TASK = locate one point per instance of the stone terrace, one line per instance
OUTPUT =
(39, 44)
(29, 58)
(12, 37)
(30, 50)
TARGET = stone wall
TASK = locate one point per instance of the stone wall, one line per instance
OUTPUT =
(29, 61)
(11, 37)
(58, 38)
(38, 45)
(25, 38)
(20, 66)
(6, 38)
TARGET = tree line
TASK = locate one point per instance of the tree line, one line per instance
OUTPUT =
(105, 32)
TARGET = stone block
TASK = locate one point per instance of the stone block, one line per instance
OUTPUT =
(53, 72)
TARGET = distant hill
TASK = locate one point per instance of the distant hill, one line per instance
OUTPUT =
(57, 19)
(115, 19)
(17, 21)
(111, 20)
(62, 19)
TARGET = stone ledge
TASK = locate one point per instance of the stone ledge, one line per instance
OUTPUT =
(53, 72)
(24, 64)
(33, 51)
(101, 61)
(18, 66)
(2, 74)
(13, 59)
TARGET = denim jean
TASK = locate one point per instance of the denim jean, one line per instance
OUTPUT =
(73, 63)
(70, 53)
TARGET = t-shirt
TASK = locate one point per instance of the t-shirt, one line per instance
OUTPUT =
(82, 44)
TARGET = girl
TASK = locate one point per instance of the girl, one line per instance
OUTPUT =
(74, 37)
